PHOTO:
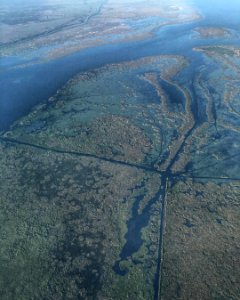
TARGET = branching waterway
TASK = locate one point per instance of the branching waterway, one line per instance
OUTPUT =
(23, 88)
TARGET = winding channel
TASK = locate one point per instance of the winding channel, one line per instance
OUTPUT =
(16, 101)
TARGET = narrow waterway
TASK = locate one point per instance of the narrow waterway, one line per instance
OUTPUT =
(23, 88)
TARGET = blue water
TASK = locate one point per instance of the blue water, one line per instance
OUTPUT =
(23, 88)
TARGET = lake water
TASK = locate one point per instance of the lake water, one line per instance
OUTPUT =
(23, 88)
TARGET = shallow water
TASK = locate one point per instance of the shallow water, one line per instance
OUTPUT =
(23, 88)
